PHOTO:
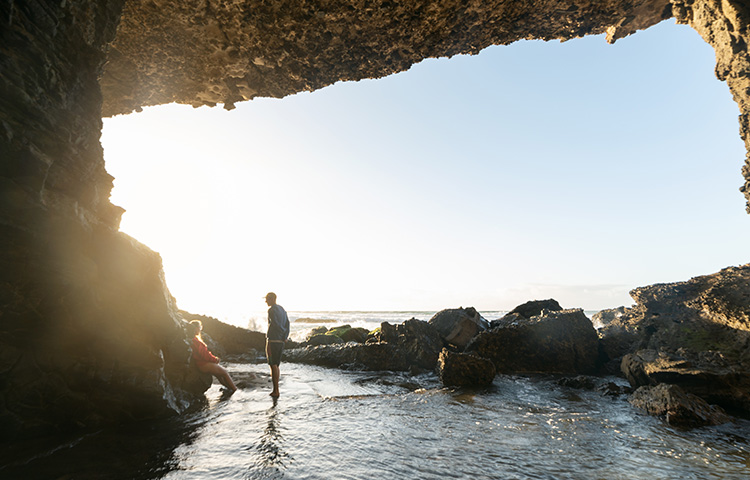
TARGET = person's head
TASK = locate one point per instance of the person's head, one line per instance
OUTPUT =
(270, 299)
(195, 328)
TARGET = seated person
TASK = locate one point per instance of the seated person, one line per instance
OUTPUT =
(206, 361)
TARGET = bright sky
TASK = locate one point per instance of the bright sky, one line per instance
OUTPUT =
(575, 171)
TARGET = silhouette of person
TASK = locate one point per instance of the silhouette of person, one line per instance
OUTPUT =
(278, 332)
(206, 361)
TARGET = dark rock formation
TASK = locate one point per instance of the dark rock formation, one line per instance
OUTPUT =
(555, 342)
(88, 330)
(707, 375)
(535, 308)
(677, 407)
(464, 370)
(458, 326)
(230, 51)
(706, 313)
(411, 345)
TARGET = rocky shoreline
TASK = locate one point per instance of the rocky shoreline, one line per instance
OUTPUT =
(683, 347)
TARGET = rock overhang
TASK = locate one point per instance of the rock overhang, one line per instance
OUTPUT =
(210, 52)
(223, 52)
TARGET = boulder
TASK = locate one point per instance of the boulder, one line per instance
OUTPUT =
(323, 339)
(536, 307)
(464, 370)
(554, 342)
(356, 334)
(458, 326)
(708, 375)
(677, 407)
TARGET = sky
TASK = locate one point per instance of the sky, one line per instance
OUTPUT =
(571, 170)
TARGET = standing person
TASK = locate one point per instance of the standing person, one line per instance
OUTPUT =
(206, 361)
(278, 332)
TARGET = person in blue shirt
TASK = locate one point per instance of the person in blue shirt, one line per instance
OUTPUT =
(278, 332)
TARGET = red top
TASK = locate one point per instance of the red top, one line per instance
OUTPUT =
(201, 354)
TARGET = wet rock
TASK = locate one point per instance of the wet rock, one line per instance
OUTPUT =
(677, 407)
(708, 375)
(581, 382)
(554, 342)
(464, 370)
(458, 326)
(586, 382)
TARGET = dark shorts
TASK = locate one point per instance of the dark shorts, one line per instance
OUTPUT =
(273, 352)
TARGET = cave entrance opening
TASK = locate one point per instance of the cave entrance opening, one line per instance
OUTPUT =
(574, 170)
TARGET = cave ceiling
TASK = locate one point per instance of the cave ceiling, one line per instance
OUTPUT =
(221, 52)
(209, 52)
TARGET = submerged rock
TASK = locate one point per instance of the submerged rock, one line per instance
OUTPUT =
(677, 407)
(458, 326)
(464, 370)
(554, 342)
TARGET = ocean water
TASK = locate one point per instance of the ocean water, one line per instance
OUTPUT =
(333, 424)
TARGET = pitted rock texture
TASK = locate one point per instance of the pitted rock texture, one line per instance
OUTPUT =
(203, 53)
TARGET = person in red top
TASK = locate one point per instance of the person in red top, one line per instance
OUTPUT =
(206, 361)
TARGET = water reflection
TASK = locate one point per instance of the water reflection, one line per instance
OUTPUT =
(272, 459)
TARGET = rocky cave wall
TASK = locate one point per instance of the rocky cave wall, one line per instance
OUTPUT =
(88, 330)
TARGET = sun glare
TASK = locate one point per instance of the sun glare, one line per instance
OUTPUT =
(491, 180)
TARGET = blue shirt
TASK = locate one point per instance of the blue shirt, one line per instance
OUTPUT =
(278, 324)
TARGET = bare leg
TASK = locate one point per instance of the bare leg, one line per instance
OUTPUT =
(275, 374)
(221, 375)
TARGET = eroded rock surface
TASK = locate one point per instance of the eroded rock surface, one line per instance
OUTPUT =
(705, 313)
(555, 342)
(204, 53)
